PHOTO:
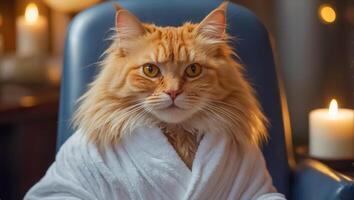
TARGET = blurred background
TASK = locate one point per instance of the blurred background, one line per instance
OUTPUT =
(313, 42)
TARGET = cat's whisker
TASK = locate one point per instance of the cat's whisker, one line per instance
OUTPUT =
(233, 105)
(214, 112)
(129, 111)
(231, 115)
(220, 120)
(156, 101)
(128, 118)
(122, 114)
(223, 114)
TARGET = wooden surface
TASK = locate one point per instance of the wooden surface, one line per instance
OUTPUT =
(28, 125)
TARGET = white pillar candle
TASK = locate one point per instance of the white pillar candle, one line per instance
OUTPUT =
(31, 32)
(332, 133)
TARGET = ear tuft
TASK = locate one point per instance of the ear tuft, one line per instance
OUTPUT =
(213, 25)
(127, 25)
(223, 6)
(117, 6)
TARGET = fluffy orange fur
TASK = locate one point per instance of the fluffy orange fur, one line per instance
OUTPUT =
(218, 101)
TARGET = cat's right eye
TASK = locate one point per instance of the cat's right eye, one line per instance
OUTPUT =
(193, 70)
(151, 70)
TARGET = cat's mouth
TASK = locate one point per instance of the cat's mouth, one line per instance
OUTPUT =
(172, 113)
(172, 108)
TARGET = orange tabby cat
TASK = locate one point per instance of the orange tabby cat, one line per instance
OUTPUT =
(182, 79)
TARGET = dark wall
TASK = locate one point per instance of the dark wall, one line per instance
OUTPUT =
(316, 59)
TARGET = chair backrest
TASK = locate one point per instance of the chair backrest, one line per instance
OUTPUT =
(87, 39)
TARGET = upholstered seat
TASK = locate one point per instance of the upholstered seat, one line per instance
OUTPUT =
(88, 37)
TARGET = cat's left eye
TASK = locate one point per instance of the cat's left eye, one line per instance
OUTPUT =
(151, 70)
(193, 70)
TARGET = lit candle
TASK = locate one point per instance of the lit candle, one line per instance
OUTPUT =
(31, 32)
(332, 133)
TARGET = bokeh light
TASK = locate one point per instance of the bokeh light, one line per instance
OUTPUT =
(327, 14)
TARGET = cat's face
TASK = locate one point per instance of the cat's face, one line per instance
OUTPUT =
(172, 75)
(172, 91)
(173, 71)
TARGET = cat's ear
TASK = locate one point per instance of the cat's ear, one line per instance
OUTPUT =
(127, 25)
(214, 24)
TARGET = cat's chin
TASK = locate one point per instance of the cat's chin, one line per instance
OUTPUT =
(173, 115)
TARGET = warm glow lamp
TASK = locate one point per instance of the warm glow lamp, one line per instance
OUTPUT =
(70, 6)
(327, 14)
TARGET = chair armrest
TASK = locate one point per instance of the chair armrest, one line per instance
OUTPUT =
(314, 180)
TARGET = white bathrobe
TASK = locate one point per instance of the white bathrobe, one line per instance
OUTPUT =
(145, 166)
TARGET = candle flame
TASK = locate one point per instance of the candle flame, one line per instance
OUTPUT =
(31, 13)
(333, 108)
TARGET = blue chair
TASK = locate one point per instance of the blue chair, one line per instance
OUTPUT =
(87, 39)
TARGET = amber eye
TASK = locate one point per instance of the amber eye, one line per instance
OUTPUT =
(193, 70)
(151, 70)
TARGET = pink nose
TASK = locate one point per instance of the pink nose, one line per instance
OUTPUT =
(173, 93)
